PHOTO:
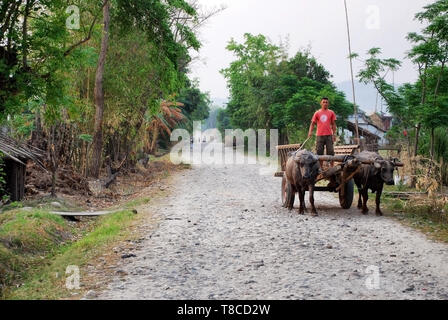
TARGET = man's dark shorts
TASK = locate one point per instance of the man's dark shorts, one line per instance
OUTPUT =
(324, 141)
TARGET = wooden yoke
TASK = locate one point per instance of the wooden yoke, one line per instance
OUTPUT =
(363, 161)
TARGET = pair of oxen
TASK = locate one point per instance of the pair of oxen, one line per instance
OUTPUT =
(303, 167)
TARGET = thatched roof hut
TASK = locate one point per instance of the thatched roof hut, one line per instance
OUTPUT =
(13, 150)
(15, 157)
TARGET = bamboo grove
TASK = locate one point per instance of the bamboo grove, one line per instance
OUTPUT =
(97, 81)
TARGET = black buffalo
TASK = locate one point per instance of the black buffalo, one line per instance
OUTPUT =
(373, 176)
(302, 169)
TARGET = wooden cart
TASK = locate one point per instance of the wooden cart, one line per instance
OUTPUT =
(340, 176)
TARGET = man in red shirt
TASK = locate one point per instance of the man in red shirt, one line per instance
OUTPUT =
(326, 128)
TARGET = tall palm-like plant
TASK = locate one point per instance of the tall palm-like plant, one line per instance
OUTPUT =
(168, 117)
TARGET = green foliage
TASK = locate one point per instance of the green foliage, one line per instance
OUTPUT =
(86, 137)
(23, 125)
(304, 65)
(441, 143)
(146, 65)
(155, 75)
(375, 71)
(256, 58)
(223, 121)
(36, 65)
(47, 74)
(423, 104)
(196, 103)
(154, 18)
(269, 90)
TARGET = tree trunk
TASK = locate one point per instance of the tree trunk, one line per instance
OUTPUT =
(432, 144)
(409, 143)
(99, 96)
(37, 139)
(422, 102)
(155, 136)
(283, 136)
(53, 183)
(417, 133)
(88, 85)
(25, 34)
(53, 159)
(436, 91)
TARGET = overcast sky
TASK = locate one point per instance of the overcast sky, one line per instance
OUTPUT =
(316, 23)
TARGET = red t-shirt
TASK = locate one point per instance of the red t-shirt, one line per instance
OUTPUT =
(324, 119)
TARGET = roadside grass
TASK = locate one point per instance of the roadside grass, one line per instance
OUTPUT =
(422, 213)
(26, 238)
(398, 188)
(136, 202)
(36, 247)
(38, 269)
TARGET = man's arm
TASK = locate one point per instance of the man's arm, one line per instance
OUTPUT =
(313, 124)
(310, 132)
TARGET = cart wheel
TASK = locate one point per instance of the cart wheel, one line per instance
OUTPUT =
(347, 200)
(288, 196)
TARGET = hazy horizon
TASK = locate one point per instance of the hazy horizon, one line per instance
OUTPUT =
(319, 25)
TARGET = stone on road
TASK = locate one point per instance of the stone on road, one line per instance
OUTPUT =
(223, 234)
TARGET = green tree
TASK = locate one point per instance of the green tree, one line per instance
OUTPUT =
(196, 104)
(300, 109)
(269, 90)
(256, 58)
(418, 104)
(154, 19)
(37, 52)
(223, 121)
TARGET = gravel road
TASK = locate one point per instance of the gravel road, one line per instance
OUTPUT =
(224, 235)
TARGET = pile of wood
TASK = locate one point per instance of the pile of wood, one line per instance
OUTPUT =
(67, 182)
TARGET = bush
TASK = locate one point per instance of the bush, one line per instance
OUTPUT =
(431, 208)
(397, 205)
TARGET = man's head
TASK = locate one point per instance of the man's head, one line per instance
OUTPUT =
(324, 103)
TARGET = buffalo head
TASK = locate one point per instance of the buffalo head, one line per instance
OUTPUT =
(385, 168)
(308, 164)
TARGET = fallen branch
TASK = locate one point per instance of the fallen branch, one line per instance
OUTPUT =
(404, 195)
(113, 172)
(110, 180)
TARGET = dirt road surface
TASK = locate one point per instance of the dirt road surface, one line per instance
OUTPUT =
(224, 235)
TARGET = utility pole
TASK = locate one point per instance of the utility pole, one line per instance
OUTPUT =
(351, 70)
